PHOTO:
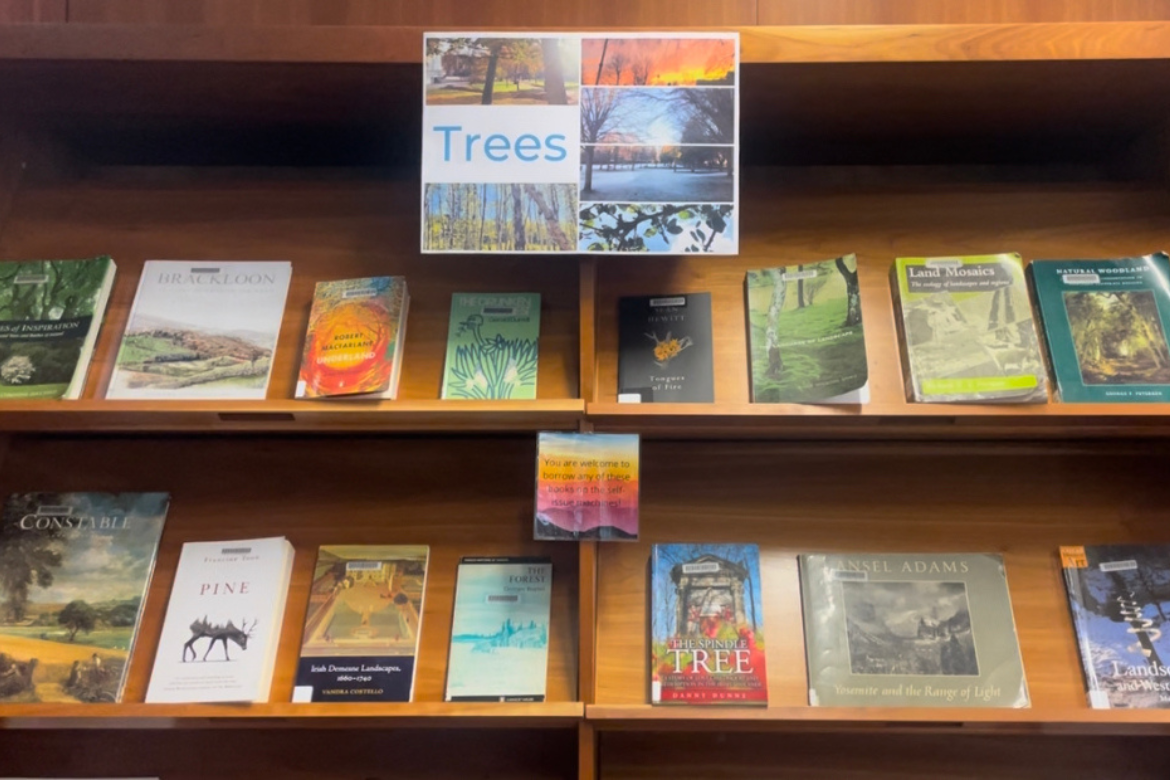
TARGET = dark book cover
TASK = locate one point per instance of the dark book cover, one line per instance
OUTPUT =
(665, 352)
(707, 625)
(1105, 326)
(1119, 596)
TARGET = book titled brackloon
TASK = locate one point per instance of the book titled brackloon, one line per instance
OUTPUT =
(1105, 326)
(50, 314)
(665, 353)
(201, 330)
(587, 486)
(967, 330)
(362, 625)
(222, 628)
(707, 625)
(1119, 596)
(492, 346)
(910, 631)
(500, 630)
(805, 336)
(74, 572)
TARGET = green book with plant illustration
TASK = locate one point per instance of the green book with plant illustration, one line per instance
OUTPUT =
(492, 346)
(1105, 323)
(805, 335)
(967, 330)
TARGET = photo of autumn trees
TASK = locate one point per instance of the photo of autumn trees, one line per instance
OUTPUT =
(658, 62)
(502, 71)
(500, 217)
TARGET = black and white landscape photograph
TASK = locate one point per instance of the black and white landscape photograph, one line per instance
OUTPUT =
(909, 628)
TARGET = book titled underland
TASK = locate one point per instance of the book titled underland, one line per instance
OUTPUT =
(967, 330)
(201, 330)
(492, 346)
(500, 630)
(910, 631)
(362, 625)
(805, 336)
(665, 353)
(50, 314)
(707, 625)
(74, 572)
(1105, 326)
(1120, 596)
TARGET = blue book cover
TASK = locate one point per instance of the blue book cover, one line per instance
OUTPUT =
(1120, 595)
(499, 633)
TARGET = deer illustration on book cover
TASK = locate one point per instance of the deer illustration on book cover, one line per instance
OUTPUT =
(707, 625)
(218, 633)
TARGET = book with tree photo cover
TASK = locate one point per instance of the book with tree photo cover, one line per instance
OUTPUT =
(1120, 597)
(806, 341)
(924, 630)
(967, 331)
(1105, 327)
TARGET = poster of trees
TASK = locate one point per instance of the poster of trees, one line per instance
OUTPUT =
(1119, 337)
(502, 71)
(500, 217)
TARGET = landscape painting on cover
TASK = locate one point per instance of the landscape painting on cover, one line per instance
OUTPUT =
(1119, 337)
(909, 628)
(72, 592)
(510, 71)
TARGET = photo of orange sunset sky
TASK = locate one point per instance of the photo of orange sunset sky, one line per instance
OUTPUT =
(658, 62)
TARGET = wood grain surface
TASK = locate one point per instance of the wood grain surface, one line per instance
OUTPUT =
(39, 11)
(957, 11)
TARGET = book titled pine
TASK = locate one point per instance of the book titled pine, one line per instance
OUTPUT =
(499, 633)
(492, 346)
(362, 625)
(204, 330)
(1120, 596)
(74, 572)
(50, 314)
(967, 330)
(910, 631)
(665, 353)
(222, 628)
(587, 486)
(807, 344)
(353, 346)
(707, 625)
(1105, 325)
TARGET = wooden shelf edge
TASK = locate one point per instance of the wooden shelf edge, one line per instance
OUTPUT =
(288, 715)
(1032, 720)
(291, 416)
(764, 44)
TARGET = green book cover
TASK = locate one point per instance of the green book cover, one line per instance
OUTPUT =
(1105, 325)
(967, 330)
(492, 346)
(805, 334)
(910, 631)
(50, 314)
